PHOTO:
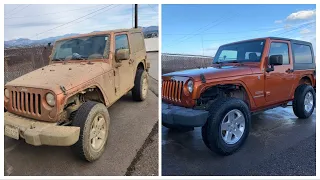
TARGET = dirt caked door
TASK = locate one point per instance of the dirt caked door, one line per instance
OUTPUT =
(124, 70)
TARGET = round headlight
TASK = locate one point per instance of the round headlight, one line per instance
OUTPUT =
(6, 93)
(50, 99)
(190, 86)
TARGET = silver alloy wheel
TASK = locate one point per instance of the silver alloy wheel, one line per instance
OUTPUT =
(232, 126)
(98, 132)
(308, 102)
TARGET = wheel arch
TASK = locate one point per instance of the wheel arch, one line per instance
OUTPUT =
(235, 89)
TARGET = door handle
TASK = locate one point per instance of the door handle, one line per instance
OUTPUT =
(289, 70)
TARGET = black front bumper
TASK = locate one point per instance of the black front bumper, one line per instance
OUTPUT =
(176, 115)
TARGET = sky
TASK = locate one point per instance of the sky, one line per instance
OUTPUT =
(35, 21)
(201, 29)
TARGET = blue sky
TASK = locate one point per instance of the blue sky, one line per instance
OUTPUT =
(201, 29)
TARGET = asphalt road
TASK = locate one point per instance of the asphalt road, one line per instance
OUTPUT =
(132, 147)
(279, 144)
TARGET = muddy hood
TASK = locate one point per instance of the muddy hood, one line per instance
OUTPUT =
(213, 72)
(55, 75)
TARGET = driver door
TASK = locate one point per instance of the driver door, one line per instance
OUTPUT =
(124, 70)
(279, 83)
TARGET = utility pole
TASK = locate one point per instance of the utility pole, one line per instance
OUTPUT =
(136, 16)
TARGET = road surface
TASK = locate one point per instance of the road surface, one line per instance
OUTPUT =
(279, 144)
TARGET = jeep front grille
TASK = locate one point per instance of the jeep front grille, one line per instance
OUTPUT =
(172, 90)
(25, 102)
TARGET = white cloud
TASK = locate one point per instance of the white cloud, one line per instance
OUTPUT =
(305, 31)
(278, 21)
(37, 18)
(301, 15)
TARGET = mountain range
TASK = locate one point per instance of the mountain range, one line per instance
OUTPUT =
(21, 42)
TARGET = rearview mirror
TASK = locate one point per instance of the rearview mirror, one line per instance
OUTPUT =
(276, 60)
(122, 54)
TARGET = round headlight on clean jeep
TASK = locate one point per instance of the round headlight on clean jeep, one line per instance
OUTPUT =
(6, 93)
(190, 86)
(50, 99)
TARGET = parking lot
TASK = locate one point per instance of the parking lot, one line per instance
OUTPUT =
(279, 144)
(131, 125)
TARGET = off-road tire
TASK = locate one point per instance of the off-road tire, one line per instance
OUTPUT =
(137, 90)
(177, 128)
(83, 119)
(211, 130)
(298, 101)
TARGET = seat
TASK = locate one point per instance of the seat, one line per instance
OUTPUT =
(253, 57)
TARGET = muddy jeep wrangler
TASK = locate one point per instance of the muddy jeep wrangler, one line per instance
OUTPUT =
(246, 77)
(66, 103)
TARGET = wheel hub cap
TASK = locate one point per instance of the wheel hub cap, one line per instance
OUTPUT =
(98, 132)
(308, 102)
(232, 126)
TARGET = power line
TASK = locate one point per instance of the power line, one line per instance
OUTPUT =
(21, 9)
(14, 9)
(218, 22)
(73, 20)
(37, 15)
(152, 8)
(228, 32)
(95, 15)
(64, 17)
(299, 27)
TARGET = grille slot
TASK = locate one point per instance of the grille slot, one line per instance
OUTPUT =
(172, 90)
(24, 102)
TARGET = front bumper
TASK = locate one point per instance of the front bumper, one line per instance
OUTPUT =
(176, 115)
(39, 133)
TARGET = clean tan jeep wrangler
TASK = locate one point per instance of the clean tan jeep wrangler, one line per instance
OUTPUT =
(66, 103)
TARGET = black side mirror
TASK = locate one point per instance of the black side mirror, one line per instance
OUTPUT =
(274, 60)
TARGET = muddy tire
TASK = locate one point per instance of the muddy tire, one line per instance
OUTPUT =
(177, 128)
(227, 126)
(304, 101)
(93, 120)
(140, 89)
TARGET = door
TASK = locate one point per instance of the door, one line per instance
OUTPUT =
(280, 81)
(124, 70)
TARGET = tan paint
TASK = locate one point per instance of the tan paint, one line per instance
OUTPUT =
(68, 78)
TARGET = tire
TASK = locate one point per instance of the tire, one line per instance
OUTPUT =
(298, 104)
(213, 135)
(177, 128)
(140, 89)
(87, 118)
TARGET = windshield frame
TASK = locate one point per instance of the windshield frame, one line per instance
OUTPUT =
(106, 52)
(216, 57)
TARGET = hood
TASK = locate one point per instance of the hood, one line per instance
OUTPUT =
(213, 72)
(59, 74)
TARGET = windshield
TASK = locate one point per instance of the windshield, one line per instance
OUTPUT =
(82, 48)
(249, 51)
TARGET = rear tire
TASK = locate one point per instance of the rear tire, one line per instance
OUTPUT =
(140, 89)
(304, 101)
(227, 126)
(93, 120)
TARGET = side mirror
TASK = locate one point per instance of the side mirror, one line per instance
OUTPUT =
(274, 60)
(122, 54)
